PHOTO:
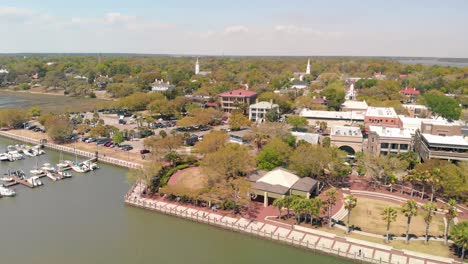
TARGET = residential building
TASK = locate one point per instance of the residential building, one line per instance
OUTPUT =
(381, 116)
(379, 76)
(233, 99)
(411, 93)
(388, 140)
(279, 183)
(441, 140)
(300, 85)
(357, 106)
(258, 110)
(347, 138)
(161, 86)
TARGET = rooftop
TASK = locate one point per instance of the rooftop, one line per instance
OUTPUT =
(238, 93)
(351, 115)
(346, 131)
(381, 112)
(412, 106)
(410, 90)
(307, 137)
(264, 105)
(279, 176)
(355, 104)
(445, 140)
(391, 131)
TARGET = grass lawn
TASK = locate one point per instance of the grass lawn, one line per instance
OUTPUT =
(434, 247)
(367, 216)
(191, 179)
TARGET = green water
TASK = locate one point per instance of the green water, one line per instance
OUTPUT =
(84, 220)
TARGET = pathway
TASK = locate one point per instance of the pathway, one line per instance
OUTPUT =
(294, 235)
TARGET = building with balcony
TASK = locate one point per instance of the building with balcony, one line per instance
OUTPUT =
(388, 140)
(233, 99)
(258, 111)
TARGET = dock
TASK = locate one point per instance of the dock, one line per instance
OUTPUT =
(19, 181)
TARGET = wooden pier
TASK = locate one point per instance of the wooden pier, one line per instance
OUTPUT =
(17, 180)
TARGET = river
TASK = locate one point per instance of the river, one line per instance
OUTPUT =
(84, 220)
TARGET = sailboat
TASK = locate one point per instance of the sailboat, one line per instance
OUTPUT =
(36, 170)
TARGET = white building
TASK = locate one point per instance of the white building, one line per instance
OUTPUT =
(350, 105)
(300, 75)
(161, 86)
(198, 72)
(311, 138)
(258, 110)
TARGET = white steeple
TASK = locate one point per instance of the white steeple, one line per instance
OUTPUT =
(197, 67)
(308, 67)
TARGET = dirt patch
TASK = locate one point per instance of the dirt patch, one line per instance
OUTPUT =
(192, 179)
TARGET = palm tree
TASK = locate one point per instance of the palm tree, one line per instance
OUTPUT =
(459, 235)
(330, 201)
(450, 215)
(429, 209)
(389, 215)
(349, 203)
(299, 205)
(434, 181)
(409, 209)
(279, 203)
(314, 207)
(287, 202)
(392, 179)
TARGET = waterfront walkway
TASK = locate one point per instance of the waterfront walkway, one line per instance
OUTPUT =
(294, 235)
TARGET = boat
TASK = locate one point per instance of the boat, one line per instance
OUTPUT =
(34, 181)
(29, 152)
(80, 167)
(7, 179)
(4, 157)
(36, 172)
(64, 174)
(51, 176)
(11, 148)
(6, 192)
(62, 165)
(91, 165)
(47, 167)
(37, 150)
(16, 155)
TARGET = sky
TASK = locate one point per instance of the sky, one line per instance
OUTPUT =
(414, 28)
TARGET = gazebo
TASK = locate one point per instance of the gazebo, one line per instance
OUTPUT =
(281, 182)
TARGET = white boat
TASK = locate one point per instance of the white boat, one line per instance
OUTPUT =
(11, 148)
(6, 192)
(16, 155)
(62, 165)
(47, 167)
(29, 152)
(91, 165)
(64, 174)
(37, 150)
(80, 168)
(34, 181)
(36, 171)
(4, 157)
(7, 179)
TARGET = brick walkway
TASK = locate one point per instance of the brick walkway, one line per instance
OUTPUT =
(294, 235)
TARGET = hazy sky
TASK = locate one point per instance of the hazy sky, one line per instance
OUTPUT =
(237, 27)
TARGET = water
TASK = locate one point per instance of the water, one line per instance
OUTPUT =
(10, 102)
(84, 220)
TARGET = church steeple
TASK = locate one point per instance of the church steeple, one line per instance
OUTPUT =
(308, 67)
(197, 67)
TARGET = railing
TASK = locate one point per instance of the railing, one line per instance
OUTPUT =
(79, 152)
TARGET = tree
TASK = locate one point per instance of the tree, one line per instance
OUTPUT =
(287, 202)
(429, 209)
(442, 105)
(232, 160)
(13, 118)
(212, 142)
(459, 236)
(314, 208)
(297, 121)
(278, 203)
(330, 195)
(272, 115)
(59, 128)
(409, 210)
(299, 206)
(160, 146)
(274, 154)
(146, 175)
(118, 137)
(389, 215)
(350, 203)
(83, 128)
(237, 121)
(35, 111)
(451, 214)
(335, 95)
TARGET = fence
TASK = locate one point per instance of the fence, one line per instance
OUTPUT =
(75, 151)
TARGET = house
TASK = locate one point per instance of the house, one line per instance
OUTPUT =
(161, 86)
(441, 140)
(258, 110)
(300, 85)
(357, 106)
(388, 140)
(347, 138)
(381, 116)
(231, 100)
(379, 76)
(411, 93)
(279, 183)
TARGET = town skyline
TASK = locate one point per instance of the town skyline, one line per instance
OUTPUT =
(255, 28)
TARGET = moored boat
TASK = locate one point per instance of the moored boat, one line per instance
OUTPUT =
(6, 192)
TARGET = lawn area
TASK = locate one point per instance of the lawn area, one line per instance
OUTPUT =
(367, 216)
(191, 179)
(434, 247)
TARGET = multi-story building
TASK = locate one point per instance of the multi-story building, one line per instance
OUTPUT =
(233, 99)
(388, 140)
(381, 116)
(161, 86)
(420, 111)
(357, 106)
(258, 110)
(347, 138)
(441, 140)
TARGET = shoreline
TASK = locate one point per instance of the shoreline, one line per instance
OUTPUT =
(86, 154)
(305, 238)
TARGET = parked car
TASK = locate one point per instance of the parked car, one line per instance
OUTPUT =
(144, 151)
(89, 140)
(83, 139)
(126, 148)
(108, 144)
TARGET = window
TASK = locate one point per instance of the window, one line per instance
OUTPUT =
(384, 145)
(394, 146)
(404, 146)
